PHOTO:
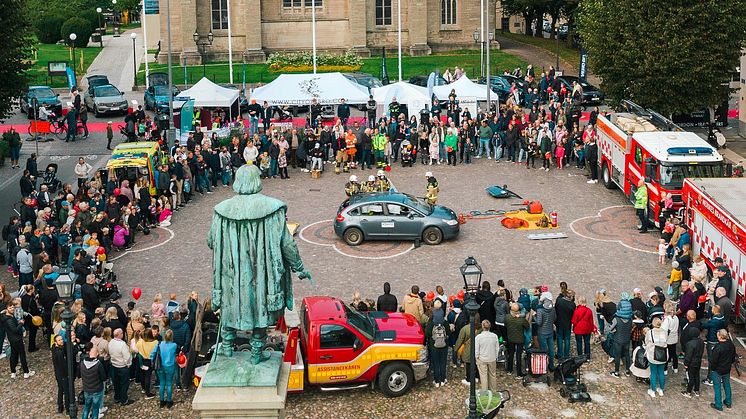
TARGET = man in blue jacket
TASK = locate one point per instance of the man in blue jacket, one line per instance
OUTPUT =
(712, 326)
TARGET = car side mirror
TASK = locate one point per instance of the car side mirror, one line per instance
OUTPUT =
(357, 344)
(410, 216)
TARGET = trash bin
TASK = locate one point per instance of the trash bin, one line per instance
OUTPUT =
(163, 122)
(117, 29)
(95, 37)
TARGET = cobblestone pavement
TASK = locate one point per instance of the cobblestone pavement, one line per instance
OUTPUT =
(587, 262)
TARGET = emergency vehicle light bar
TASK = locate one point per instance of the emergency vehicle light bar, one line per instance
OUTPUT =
(690, 151)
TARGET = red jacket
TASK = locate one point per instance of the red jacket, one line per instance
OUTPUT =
(582, 321)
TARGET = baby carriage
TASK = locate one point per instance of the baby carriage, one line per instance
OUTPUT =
(50, 178)
(640, 367)
(489, 404)
(537, 366)
(568, 373)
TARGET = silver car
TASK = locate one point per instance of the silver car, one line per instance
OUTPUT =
(105, 99)
(393, 216)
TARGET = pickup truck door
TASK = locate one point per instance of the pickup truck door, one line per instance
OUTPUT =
(337, 346)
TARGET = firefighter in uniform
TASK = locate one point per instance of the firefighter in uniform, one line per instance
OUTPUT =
(371, 185)
(384, 185)
(432, 189)
(394, 108)
(352, 187)
(371, 108)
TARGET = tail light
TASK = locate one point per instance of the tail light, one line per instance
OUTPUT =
(340, 218)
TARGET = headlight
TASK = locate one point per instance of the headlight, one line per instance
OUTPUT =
(422, 355)
(452, 222)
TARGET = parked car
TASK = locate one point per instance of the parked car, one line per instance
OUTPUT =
(393, 216)
(503, 83)
(243, 101)
(422, 80)
(592, 95)
(45, 96)
(156, 95)
(364, 79)
(105, 99)
(97, 80)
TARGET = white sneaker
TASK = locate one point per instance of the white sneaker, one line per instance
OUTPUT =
(437, 385)
(103, 409)
(547, 169)
(12, 375)
(651, 393)
(595, 181)
(29, 374)
(2, 354)
(445, 381)
(660, 393)
(590, 181)
(611, 359)
(665, 372)
(100, 415)
(464, 382)
(489, 158)
(675, 370)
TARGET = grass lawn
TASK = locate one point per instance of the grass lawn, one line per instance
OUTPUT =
(411, 66)
(38, 72)
(568, 54)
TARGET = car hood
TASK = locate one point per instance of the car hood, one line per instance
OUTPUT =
(109, 99)
(443, 212)
(48, 100)
(398, 328)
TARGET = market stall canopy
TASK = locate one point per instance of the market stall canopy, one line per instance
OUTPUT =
(299, 89)
(465, 88)
(207, 94)
(415, 97)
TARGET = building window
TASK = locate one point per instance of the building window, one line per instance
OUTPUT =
(383, 12)
(297, 3)
(447, 12)
(316, 3)
(220, 14)
(290, 3)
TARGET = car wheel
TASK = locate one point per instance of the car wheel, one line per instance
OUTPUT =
(432, 236)
(606, 176)
(395, 379)
(353, 236)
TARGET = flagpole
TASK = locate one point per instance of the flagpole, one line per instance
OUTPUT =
(145, 45)
(398, 19)
(481, 36)
(313, 32)
(230, 44)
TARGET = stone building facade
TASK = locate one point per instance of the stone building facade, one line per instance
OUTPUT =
(259, 27)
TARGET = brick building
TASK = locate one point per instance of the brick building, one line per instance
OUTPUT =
(261, 27)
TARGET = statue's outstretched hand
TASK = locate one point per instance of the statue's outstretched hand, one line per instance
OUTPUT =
(305, 275)
(216, 296)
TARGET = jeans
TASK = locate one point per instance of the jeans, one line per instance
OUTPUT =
(365, 158)
(62, 389)
(583, 345)
(120, 377)
(484, 145)
(692, 375)
(253, 125)
(15, 153)
(717, 379)
(522, 154)
(440, 362)
(273, 167)
(498, 152)
(672, 357)
(226, 176)
(546, 342)
(563, 343)
(93, 402)
(622, 353)
(317, 163)
(656, 377)
(511, 152)
(166, 378)
(514, 350)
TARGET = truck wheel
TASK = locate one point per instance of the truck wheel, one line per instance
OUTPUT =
(606, 176)
(353, 236)
(395, 379)
(432, 236)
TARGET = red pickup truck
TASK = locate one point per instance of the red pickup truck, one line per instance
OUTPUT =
(337, 348)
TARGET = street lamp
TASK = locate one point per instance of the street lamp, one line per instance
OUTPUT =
(64, 285)
(134, 56)
(202, 42)
(100, 31)
(472, 273)
(73, 37)
(114, 4)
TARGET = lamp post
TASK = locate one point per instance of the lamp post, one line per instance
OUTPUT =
(73, 37)
(490, 37)
(100, 31)
(476, 36)
(64, 287)
(202, 42)
(134, 56)
(472, 273)
(114, 6)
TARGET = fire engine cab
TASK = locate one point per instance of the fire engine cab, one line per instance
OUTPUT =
(716, 217)
(638, 143)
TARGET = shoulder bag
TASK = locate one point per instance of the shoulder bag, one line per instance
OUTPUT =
(660, 353)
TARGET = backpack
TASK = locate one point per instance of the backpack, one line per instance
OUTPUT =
(439, 336)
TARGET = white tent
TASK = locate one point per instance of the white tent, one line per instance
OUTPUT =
(207, 94)
(415, 97)
(467, 93)
(299, 89)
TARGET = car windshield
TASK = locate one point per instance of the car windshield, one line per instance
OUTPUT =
(43, 93)
(107, 91)
(161, 90)
(418, 204)
(361, 322)
(672, 176)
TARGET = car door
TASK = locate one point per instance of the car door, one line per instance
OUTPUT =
(338, 345)
(373, 220)
(407, 222)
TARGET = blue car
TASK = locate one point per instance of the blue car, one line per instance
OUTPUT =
(45, 96)
(156, 96)
(393, 216)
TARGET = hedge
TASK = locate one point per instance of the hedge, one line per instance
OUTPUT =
(81, 27)
(48, 29)
(303, 61)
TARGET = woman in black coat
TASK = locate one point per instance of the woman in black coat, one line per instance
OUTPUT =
(59, 361)
(14, 333)
(31, 307)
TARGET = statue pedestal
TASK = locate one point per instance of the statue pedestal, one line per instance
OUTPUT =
(232, 387)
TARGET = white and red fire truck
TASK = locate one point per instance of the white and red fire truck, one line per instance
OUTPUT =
(716, 218)
(638, 143)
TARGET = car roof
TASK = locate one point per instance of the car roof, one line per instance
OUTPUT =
(39, 87)
(394, 197)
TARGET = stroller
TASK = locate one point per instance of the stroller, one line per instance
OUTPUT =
(568, 373)
(537, 366)
(50, 178)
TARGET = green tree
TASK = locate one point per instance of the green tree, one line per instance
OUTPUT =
(81, 27)
(14, 31)
(671, 56)
(531, 10)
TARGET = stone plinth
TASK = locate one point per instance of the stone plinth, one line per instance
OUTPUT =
(233, 388)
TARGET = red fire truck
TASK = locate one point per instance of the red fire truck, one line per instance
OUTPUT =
(639, 143)
(716, 217)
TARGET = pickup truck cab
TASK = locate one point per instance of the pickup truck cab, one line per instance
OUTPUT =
(337, 348)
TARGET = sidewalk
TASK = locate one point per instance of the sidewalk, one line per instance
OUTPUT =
(116, 60)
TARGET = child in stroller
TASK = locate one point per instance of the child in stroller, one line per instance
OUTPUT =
(537, 366)
(50, 178)
(568, 373)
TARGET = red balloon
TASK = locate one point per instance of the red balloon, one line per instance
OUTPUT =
(100, 251)
(136, 293)
(117, 191)
(460, 295)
